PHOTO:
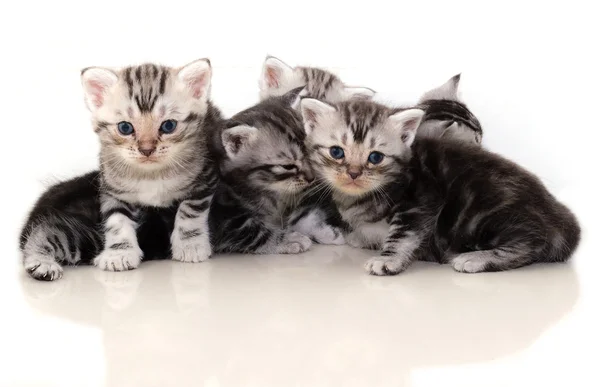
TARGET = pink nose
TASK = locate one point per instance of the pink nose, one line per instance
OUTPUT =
(147, 151)
(354, 174)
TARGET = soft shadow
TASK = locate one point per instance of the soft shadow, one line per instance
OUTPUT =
(307, 320)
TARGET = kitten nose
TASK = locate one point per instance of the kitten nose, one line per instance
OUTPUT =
(354, 173)
(147, 151)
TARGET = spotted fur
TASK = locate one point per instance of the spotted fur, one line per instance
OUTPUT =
(432, 200)
(151, 197)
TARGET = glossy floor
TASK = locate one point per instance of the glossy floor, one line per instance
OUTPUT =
(314, 319)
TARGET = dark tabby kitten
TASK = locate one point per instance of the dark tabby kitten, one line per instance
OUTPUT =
(446, 117)
(431, 200)
(278, 78)
(264, 174)
(156, 178)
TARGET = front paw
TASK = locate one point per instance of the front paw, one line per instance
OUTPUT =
(329, 236)
(386, 265)
(43, 269)
(294, 243)
(119, 260)
(191, 250)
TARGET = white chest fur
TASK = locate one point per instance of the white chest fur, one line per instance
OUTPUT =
(156, 193)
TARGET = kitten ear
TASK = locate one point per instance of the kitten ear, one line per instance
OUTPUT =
(313, 112)
(196, 77)
(358, 92)
(237, 137)
(294, 97)
(96, 81)
(274, 73)
(406, 123)
(448, 90)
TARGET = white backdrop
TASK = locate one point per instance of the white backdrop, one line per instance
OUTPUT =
(530, 69)
(530, 73)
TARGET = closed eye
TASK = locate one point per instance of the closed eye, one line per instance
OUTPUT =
(284, 168)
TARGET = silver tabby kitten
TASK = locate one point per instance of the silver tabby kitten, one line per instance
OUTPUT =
(264, 172)
(447, 117)
(278, 78)
(156, 179)
(428, 199)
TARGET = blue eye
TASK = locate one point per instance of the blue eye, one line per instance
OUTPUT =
(336, 152)
(125, 128)
(168, 126)
(376, 157)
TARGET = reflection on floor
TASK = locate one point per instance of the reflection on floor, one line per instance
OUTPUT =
(314, 319)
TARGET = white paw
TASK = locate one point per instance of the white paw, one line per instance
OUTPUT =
(119, 260)
(468, 264)
(192, 250)
(386, 265)
(354, 240)
(43, 269)
(294, 243)
(330, 236)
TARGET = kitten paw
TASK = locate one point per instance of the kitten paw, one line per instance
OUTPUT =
(330, 236)
(386, 265)
(119, 260)
(43, 269)
(294, 243)
(193, 250)
(468, 263)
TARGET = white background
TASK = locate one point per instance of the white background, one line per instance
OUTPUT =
(530, 73)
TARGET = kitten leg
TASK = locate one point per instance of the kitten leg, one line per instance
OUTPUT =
(190, 240)
(490, 260)
(286, 243)
(121, 249)
(397, 255)
(399, 247)
(41, 252)
(314, 225)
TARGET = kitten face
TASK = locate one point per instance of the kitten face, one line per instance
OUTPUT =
(146, 116)
(356, 146)
(264, 154)
(278, 78)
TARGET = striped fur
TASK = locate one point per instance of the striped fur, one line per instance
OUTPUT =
(278, 79)
(433, 200)
(258, 206)
(137, 206)
(447, 117)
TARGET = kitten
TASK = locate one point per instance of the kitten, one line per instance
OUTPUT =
(431, 200)
(156, 179)
(264, 173)
(278, 78)
(447, 117)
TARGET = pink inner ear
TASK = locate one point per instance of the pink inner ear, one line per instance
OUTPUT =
(96, 89)
(411, 124)
(197, 85)
(272, 76)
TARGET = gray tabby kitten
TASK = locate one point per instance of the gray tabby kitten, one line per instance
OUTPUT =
(447, 117)
(156, 179)
(432, 200)
(264, 172)
(278, 78)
